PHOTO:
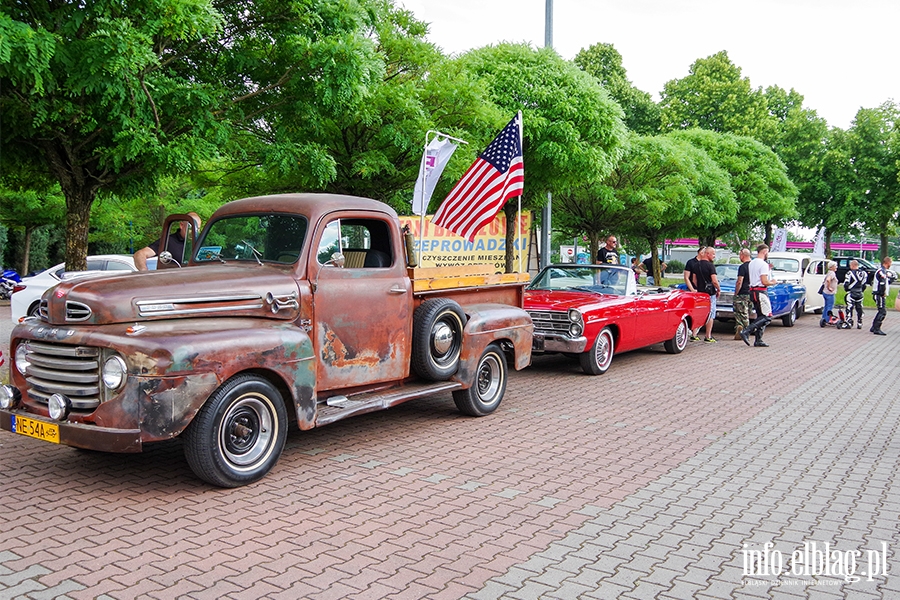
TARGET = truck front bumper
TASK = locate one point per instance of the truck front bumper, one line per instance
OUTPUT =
(89, 437)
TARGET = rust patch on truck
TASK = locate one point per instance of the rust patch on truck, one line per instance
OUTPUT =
(335, 353)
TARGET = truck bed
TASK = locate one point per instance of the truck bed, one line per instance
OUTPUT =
(469, 284)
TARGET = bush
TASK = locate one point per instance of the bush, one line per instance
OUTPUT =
(674, 266)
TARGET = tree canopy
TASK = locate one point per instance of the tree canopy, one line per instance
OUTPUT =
(603, 61)
(714, 96)
(757, 176)
(128, 110)
(107, 98)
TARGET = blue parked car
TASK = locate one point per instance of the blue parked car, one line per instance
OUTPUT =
(788, 299)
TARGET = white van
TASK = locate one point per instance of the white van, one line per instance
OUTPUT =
(802, 267)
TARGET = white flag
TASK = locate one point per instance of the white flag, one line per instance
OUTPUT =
(434, 159)
(819, 246)
(779, 240)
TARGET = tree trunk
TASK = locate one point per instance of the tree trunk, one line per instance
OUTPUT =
(827, 242)
(512, 228)
(26, 250)
(768, 240)
(594, 241)
(654, 258)
(79, 187)
(885, 250)
(78, 220)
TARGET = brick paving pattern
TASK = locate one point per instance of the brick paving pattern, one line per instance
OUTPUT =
(643, 483)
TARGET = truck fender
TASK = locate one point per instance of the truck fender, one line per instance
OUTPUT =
(489, 323)
(287, 361)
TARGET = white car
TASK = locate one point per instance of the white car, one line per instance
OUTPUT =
(26, 297)
(803, 268)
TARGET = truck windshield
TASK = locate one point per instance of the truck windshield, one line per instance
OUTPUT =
(254, 238)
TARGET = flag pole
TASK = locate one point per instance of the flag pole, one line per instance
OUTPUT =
(422, 197)
(519, 198)
(425, 178)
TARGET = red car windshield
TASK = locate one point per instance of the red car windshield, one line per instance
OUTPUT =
(601, 279)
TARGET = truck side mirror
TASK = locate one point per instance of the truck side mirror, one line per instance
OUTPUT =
(166, 257)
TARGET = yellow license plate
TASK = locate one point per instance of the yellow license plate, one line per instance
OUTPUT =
(48, 432)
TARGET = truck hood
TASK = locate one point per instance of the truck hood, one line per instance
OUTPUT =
(207, 291)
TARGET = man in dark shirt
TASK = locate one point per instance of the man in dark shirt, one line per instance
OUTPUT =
(648, 267)
(691, 269)
(741, 302)
(608, 255)
(708, 281)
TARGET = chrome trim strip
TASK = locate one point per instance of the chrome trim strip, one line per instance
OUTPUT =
(197, 311)
(197, 300)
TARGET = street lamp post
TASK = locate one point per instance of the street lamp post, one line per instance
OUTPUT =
(545, 213)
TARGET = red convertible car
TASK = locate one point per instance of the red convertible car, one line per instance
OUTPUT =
(596, 311)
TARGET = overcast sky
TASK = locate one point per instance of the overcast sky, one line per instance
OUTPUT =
(840, 55)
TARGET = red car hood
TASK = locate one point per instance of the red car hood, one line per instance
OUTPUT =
(563, 300)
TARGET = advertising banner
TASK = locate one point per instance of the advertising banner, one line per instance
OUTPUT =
(443, 248)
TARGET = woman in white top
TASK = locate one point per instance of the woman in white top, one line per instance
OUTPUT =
(829, 289)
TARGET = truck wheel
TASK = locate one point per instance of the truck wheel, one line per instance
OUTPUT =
(487, 390)
(680, 339)
(789, 319)
(437, 338)
(596, 361)
(238, 435)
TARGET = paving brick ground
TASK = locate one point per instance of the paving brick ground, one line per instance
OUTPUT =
(646, 482)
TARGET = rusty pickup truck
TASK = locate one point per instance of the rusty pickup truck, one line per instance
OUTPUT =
(297, 307)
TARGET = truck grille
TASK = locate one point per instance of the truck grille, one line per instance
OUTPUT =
(550, 321)
(73, 371)
(726, 298)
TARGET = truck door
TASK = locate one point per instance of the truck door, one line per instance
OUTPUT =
(361, 307)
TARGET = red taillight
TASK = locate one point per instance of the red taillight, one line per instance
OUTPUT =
(18, 288)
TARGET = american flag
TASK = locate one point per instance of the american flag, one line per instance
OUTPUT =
(497, 175)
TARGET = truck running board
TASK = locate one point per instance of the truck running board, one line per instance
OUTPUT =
(340, 407)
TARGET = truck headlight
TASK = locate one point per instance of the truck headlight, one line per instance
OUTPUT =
(59, 407)
(9, 397)
(576, 323)
(21, 361)
(114, 372)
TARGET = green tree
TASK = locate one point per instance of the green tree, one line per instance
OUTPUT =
(572, 129)
(874, 148)
(763, 191)
(714, 96)
(107, 97)
(603, 61)
(667, 186)
(817, 161)
(28, 209)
